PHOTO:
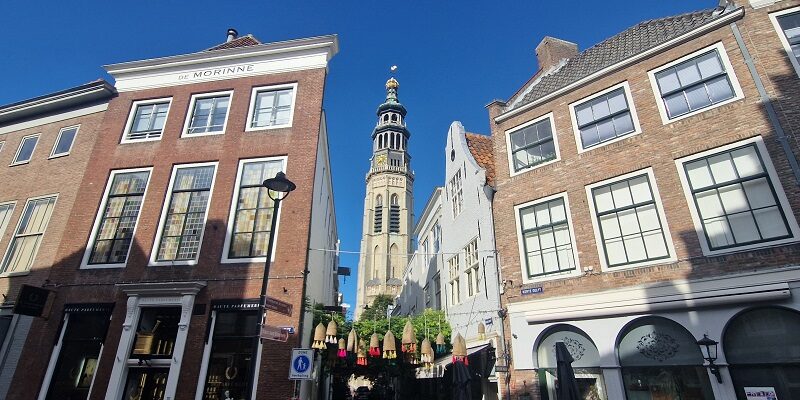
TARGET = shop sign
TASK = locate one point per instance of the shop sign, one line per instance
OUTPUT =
(275, 333)
(302, 364)
(31, 301)
(280, 307)
(532, 290)
(89, 308)
(760, 393)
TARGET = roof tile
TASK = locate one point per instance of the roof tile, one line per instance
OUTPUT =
(244, 41)
(482, 150)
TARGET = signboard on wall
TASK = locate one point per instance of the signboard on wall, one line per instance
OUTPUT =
(760, 393)
(302, 364)
(31, 301)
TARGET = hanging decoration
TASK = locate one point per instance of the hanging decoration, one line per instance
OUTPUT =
(319, 337)
(460, 350)
(342, 353)
(426, 353)
(374, 346)
(361, 357)
(330, 334)
(409, 342)
(352, 341)
(440, 345)
(389, 346)
(481, 331)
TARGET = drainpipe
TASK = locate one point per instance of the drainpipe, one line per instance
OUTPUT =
(767, 102)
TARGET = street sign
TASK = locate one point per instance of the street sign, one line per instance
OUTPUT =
(31, 301)
(302, 364)
(278, 306)
(274, 333)
(531, 290)
(501, 368)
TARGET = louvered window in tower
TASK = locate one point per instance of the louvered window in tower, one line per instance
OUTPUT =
(378, 223)
(394, 215)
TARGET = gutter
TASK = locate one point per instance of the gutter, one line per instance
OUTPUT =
(736, 14)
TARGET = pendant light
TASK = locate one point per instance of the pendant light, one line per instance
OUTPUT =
(460, 350)
(426, 353)
(389, 346)
(361, 357)
(440, 345)
(330, 333)
(342, 353)
(352, 341)
(374, 346)
(409, 342)
(319, 337)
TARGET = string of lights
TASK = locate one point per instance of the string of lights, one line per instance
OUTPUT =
(398, 254)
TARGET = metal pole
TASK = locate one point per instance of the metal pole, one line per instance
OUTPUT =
(264, 284)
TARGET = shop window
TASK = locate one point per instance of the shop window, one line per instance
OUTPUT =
(151, 354)
(762, 347)
(235, 338)
(586, 362)
(661, 360)
(79, 352)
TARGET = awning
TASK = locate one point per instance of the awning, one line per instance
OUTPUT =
(440, 364)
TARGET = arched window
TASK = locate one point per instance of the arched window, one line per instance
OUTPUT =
(659, 355)
(385, 117)
(394, 200)
(381, 141)
(394, 261)
(394, 214)
(392, 143)
(586, 360)
(394, 117)
(376, 262)
(378, 223)
(762, 345)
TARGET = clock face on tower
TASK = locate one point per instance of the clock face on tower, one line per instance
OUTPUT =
(380, 160)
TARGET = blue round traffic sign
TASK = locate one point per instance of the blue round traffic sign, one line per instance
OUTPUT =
(301, 363)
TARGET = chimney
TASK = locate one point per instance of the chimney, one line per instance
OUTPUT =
(551, 51)
(232, 34)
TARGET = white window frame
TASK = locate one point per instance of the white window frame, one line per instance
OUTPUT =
(53, 153)
(165, 207)
(21, 142)
(99, 217)
(782, 36)
(456, 196)
(135, 106)
(661, 215)
(637, 129)
(199, 96)
(523, 126)
(726, 62)
(521, 245)
(2, 143)
(454, 281)
(781, 199)
(248, 124)
(232, 216)
(14, 234)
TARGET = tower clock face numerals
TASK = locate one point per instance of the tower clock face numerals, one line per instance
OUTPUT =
(380, 160)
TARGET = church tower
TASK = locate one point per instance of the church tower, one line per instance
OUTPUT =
(388, 206)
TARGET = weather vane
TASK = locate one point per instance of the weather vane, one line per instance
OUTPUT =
(393, 68)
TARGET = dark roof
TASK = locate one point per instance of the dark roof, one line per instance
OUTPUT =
(633, 41)
(482, 150)
(244, 41)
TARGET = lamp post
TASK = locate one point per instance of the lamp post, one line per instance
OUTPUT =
(278, 188)
(709, 349)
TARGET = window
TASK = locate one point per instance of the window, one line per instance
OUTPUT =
(25, 150)
(2, 143)
(66, 137)
(208, 114)
(146, 120)
(532, 144)
(271, 107)
(734, 198)
(28, 235)
(437, 285)
(695, 82)
(455, 294)
(628, 220)
(184, 216)
(6, 209)
(378, 223)
(546, 239)
(233, 343)
(156, 335)
(472, 265)
(116, 222)
(394, 215)
(251, 211)
(605, 117)
(455, 193)
(787, 23)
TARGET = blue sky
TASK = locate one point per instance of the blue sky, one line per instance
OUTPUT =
(454, 57)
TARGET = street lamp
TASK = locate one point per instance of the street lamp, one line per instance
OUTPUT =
(709, 349)
(278, 188)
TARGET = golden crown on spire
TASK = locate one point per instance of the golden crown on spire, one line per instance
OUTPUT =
(392, 83)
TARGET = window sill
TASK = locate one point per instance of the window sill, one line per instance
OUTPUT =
(102, 266)
(19, 163)
(667, 120)
(14, 274)
(187, 263)
(606, 269)
(629, 135)
(57, 156)
(130, 141)
(750, 247)
(267, 128)
(186, 135)
(535, 167)
(573, 273)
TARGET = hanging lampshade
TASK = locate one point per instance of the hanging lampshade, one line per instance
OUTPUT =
(374, 346)
(361, 356)
(330, 333)
(319, 337)
(426, 353)
(352, 341)
(342, 353)
(389, 346)
(409, 342)
(481, 331)
(460, 350)
(440, 346)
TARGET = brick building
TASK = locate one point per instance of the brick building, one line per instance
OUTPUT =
(156, 280)
(647, 195)
(45, 145)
